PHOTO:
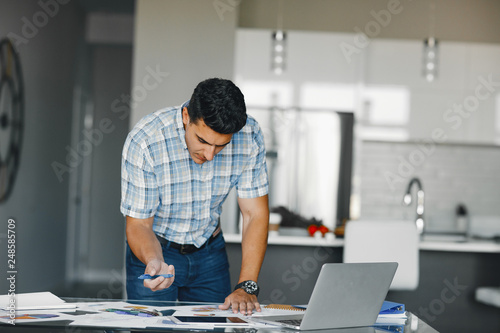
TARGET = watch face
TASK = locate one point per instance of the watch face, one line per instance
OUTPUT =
(250, 287)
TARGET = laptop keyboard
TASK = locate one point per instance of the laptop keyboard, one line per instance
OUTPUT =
(293, 322)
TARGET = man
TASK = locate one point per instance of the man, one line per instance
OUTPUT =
(178, 166)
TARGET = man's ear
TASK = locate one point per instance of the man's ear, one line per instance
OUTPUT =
(185, 116)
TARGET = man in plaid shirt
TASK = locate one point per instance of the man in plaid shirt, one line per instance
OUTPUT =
(178, 166)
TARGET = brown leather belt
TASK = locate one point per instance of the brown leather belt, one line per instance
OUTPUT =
(189, 248)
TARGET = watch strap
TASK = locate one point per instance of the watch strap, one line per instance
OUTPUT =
(241, 285)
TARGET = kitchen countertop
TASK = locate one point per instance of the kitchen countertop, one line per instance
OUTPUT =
(473, 245)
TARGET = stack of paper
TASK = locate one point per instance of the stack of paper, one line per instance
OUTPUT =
(35, 301)
(488, 295)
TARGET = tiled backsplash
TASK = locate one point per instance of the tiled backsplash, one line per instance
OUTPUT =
(450, 173)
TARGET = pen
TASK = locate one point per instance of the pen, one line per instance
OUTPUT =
(152, 313)
(136, 313)
(147, 276)
(140, 313)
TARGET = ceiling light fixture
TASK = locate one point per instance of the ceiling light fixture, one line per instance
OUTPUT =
(278, 47)
(430, 57)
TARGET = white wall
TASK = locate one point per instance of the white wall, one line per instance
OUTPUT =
(450, 175)
(187, 41)
(382, 81)
(393, 65)
(383, 84)
(304, 176)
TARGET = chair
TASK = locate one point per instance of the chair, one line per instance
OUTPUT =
(372, 241)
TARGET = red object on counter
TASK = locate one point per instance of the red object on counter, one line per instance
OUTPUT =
(323, 229)
(312, 229)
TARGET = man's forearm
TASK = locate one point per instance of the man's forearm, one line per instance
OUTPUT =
(253, 248)
(255, 214)
(142, 240)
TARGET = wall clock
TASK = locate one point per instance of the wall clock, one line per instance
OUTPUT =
(11, 116)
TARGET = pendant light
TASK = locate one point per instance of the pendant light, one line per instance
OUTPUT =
(278, 47)
(430, 61)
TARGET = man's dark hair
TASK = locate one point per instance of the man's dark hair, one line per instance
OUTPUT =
(220, 104)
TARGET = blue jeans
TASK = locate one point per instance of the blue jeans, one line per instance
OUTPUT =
(202, 276)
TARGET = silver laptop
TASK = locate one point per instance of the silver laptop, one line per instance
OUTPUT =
(345, 295)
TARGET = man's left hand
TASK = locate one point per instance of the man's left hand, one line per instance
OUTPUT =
(240, 301)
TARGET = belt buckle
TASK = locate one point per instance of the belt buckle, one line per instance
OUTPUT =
(185, 249)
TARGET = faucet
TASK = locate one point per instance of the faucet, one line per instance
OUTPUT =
(420, 203)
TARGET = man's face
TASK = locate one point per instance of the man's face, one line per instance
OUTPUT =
(203, 143)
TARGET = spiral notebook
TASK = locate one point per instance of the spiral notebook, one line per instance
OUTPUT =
(345, 295)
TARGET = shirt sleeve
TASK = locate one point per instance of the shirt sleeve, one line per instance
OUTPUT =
(139, 190)
(253, 182)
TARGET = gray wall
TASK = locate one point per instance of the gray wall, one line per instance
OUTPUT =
(111, 80)
(39, 200)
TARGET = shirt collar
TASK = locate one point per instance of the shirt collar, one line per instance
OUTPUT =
(180, 125)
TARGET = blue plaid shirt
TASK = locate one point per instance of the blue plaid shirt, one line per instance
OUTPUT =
(160, 179)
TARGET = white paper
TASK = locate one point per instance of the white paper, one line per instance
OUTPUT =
(31, 316)
(35, 301)
(109, 319)
(214, 311)
(393, 318)
(172, 322)
(201, 310)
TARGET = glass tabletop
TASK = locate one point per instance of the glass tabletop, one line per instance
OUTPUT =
(70, 319)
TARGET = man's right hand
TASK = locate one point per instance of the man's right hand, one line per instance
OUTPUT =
(154, 267)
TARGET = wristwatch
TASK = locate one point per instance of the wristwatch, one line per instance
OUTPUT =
(249, 286)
